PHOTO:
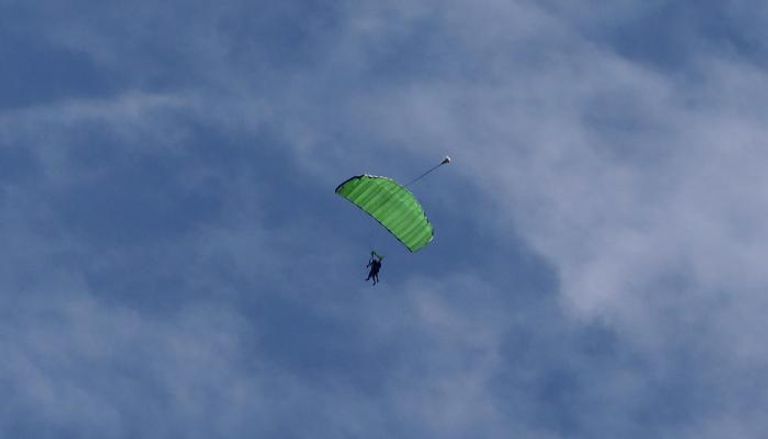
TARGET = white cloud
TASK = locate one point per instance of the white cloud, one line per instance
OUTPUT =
(678, 188)
(644, 189)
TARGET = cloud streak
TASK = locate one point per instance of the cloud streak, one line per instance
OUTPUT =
(175, 262)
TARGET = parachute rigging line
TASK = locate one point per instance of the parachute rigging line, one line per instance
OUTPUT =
(445, 161)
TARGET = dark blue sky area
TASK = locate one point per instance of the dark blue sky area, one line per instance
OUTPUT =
(176, 263)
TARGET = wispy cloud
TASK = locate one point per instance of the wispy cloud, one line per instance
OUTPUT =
(175, 262)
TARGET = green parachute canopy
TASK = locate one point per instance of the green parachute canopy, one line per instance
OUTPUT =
(392, 205)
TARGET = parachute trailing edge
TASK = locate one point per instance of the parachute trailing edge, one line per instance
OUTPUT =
(392, 205)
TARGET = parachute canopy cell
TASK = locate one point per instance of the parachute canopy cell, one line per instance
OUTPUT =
(392, 205)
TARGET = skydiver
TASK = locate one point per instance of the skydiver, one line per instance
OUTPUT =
(375, 264)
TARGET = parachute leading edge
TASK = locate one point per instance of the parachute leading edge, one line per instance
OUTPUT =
(392, 205)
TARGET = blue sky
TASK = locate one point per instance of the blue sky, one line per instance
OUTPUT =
(176, 264)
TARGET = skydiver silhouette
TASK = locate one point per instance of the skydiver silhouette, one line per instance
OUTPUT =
(375, 264)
